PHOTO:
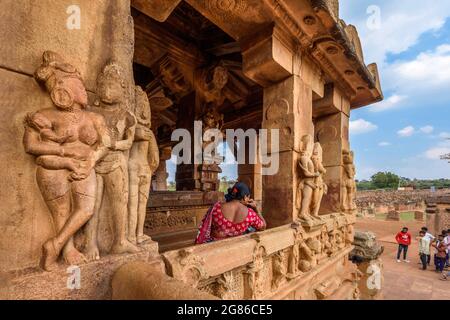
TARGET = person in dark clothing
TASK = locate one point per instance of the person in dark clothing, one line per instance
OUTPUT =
(440, 254)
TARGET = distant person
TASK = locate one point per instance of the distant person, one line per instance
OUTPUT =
(403, 239)
(440, 253)
(446, 234)
(235, 217)
(430, 237)
(436, 245)
(424, 249)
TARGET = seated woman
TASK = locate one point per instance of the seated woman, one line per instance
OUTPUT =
(237, 216)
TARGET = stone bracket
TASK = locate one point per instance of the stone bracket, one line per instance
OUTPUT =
(267, 56)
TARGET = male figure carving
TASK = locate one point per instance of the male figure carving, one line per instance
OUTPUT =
(144, 159)
(112, 170)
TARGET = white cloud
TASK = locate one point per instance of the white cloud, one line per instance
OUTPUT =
(361, 126)
(444, 135)
(388, 103)
(384, 144)
(402, 24)
(428, 70)
(406, 132)
(436, 153)
(427, 129)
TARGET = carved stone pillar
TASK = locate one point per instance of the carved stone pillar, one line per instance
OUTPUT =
(161, 174)
(332, 131)
(288, 109)
(122, 45)
(187, 175)
(366, 255)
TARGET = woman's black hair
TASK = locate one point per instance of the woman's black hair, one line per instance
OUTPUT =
(237, 192)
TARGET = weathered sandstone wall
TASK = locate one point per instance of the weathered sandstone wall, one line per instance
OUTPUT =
(28, 29)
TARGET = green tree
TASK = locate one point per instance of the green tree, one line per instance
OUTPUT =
(384, 180)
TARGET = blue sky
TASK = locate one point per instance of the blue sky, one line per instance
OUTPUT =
(406, 133)
(411, 45)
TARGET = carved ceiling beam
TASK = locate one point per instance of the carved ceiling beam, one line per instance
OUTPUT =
(159, 10)
(224, 49)
(244, 120)
(237, 18)
(168, 117)
(182, 51)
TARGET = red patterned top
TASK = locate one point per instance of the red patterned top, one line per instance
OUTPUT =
(222, 228)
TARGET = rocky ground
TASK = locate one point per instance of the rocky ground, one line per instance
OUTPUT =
(404, 281)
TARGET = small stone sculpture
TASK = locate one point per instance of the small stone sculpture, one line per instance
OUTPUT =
(321, 187)
(349, 184)
(144, 159)
(112, 170)
(307, 177)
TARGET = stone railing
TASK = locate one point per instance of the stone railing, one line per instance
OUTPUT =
(288, 262)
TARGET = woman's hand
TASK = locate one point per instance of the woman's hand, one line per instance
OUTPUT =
(251, 203)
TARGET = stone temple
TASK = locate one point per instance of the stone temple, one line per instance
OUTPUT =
(91, 96)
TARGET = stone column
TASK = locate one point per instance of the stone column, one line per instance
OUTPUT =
(288, 109)
(161, 174)
(366, 255)
(122, 44)
(331, 115)
(187, 176)
(274, 61)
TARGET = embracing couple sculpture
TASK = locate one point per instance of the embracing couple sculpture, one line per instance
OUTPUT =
(84, 157)
(311, 187)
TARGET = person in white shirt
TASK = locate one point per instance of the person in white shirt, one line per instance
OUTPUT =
(430, 238)
(424, 249)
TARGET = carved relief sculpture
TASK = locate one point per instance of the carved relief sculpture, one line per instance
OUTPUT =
(349, 184)
(294, 256)
(112, 170)
(67, 141)
(321, 187)
(307, 177)
(144, 159)
(255, 280)
(279, 270)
